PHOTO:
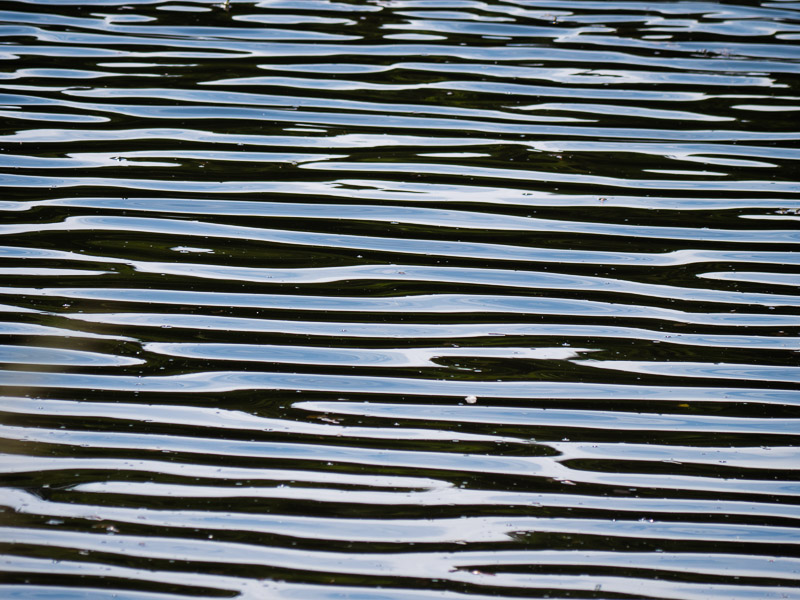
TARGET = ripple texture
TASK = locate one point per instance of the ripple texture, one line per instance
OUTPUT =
(399, 300)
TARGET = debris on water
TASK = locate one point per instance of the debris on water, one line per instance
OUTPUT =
(471, 399)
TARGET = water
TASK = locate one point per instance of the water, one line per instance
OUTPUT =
(399, 300)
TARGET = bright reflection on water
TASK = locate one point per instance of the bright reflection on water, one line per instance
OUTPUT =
(399, 299)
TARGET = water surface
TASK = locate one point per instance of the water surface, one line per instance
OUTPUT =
(399, 299)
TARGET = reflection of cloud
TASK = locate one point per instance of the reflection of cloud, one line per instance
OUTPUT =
(368, 357)
(33, 355)
(21, 363)
(21, 271)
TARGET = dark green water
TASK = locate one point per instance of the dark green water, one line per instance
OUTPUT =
(399, 300)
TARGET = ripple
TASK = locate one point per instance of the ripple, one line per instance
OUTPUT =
(453, 300)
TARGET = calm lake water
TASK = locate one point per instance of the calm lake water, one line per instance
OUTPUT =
(399, 299)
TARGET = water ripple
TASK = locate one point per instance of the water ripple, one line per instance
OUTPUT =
(453, 299)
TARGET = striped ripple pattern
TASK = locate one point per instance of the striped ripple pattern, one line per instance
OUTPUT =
(399, 299)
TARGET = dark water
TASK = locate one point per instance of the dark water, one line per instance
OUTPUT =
(400, 300)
